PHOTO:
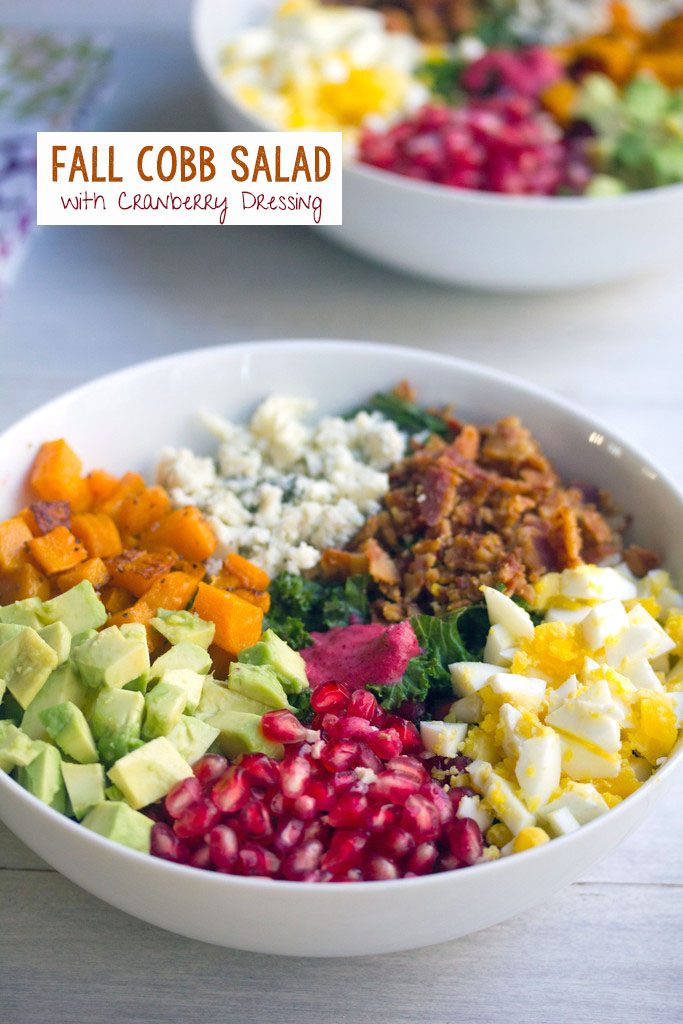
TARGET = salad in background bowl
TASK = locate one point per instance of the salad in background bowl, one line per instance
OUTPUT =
(452, 126)
(389, 645)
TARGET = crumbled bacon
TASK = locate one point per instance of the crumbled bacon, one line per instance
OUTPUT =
(485, 507)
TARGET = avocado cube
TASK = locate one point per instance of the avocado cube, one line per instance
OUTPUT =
(26, 662)
(240, 733)
(116, 722)
(148, 773)
(28, 612)
(63, 685)
(287, 664)
(164, 706)
(191, 682)
(259, 682)
(84, 786)
(178, 627)
(43, 777)
(79, 609)
(113, 793)
(111, 659)
(80, 638)
(192, 738)
(9, 630)
(217, 697)
(183, 655)
(17, 750)
(67, 726)
(3, 689)
(646, 99)
(58, 637)
(139, 685)
(116, 821)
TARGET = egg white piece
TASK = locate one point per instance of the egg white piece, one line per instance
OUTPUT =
(443, 738)
(604, 623)
(582, 799)
(471, 807)
(643, 637)
(503, 611)
(538, 768)
(570, 616)
(640, 672)
(568, 689)
(524, 690)
(509, 718)
(562, 822)
(468, 677)
(595, 583)
(504, 802)
(500, 647)
(467, 709)
(583, 764)
(588, 723)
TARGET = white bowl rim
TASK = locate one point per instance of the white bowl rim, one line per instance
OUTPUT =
(401, 182)
(358, 347)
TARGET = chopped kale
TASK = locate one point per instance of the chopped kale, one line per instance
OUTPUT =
(301, 606)
(301, 702)
(406, 415)
(441, 75)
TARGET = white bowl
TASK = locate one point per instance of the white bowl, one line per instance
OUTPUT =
(121, 422)
(515, 243)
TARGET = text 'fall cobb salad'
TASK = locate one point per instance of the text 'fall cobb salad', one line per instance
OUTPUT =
(358, 648)
(521, 98)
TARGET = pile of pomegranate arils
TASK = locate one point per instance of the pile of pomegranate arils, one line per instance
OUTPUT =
(351, 801)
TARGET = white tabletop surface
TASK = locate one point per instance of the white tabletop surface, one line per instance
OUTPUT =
(95, 299)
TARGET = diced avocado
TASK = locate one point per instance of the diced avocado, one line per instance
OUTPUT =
(121, 824)
(191, 682)
(113, 793)
(164, 706)
(9, 630)
(67, 726)
(287, 664)
(63, 685)
(258, 682)
(646, 98)
(192, 738)
(116, 723)
(43, 777)
(28, 612)
(80, 638)
(84, 786)
(139, 685)
(183, 655)
(667, 160)
(59, 639)
(79, 609)
(605, 185)
(240, 733)
(182, 626)
(26, 662)
(17, 750)
(111, 659)
(134, 631)
(147, 774)
(217, 697)
(10, 707)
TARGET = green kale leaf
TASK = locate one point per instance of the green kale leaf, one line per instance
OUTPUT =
(406, 415)
(301, 606)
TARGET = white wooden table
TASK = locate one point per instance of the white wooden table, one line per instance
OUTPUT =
(91, 300)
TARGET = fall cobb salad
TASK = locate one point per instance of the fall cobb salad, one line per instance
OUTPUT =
(358, 647)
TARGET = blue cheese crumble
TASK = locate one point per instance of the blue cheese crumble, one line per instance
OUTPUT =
(280, 490)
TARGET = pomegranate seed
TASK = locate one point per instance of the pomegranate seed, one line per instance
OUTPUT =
(456, 794)
(231, 792)
(197, 819)
(354, 875)
(208, 769)
(317, 798)
(409, 766)
(252, 860)
(276, 804)
(350, 810)
(288, 835)
(223, 846)
(408, 734)
(261, 769)
(379, 819)
(164, 843)
(317, 829)
(386, 744)
(343, 781)
(340, 755)
(380, 869)
(363, 704)
(395, 843)
(305, 807)
(421, 818)
(465, 840)
(303, 860)
(182, 796)
(447, 862)
(329, 697)
(330, 724)
(355, 729)
(422, 859)
(366, 759)
(439, 797)
(393, 787)
(294, 776)
(255, 820)
(344, 852)
(201, 857)
(282, 727)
